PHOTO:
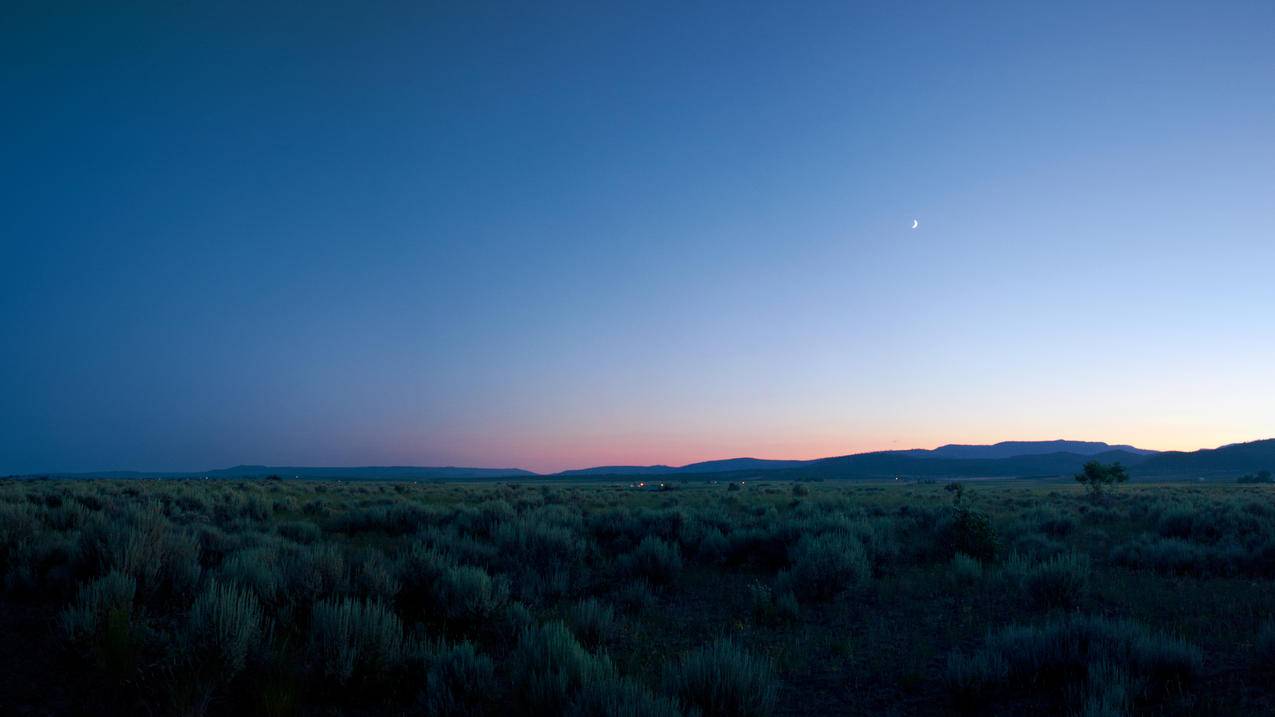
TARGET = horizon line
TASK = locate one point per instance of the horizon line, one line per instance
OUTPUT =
(596, 466)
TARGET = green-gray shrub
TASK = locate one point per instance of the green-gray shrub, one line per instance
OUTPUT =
(824, 566)
(460, 682)
(722, 680)
(352, 639)
(467, 594)
(300, 531)
(966, 572)
(1053, 653)
(549, 667)
(225, 627)
(1060, 582)
(656, 560)
(591, 621)
(103, 603)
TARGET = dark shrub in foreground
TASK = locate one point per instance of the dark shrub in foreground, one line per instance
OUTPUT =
(354, 640)
(99, 623)
(225, 627)
(591, 621)
(721, 680)
(1265, 645)
(549, 668)
(1060, 582)
(460, 682)
(1061, 653)
(655, 560)
(972, 534)
(620, 697)
(825, 566)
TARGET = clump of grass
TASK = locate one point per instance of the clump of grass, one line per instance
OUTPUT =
(722, 680)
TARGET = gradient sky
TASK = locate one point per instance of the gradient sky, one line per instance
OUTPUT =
(554, 235)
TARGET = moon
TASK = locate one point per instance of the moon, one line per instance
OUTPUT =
(915, 224)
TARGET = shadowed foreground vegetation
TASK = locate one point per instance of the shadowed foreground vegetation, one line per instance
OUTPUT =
(279, 598)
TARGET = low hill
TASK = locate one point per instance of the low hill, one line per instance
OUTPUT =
(719, 466)
(1233, 458)
(890, 464)
(1010, 449)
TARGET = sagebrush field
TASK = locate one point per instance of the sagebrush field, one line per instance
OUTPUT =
(287, 597)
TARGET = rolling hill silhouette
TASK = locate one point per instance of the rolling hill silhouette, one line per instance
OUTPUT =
(1008, 459)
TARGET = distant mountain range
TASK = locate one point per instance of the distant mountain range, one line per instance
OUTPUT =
(1007, 459)
(721, 466)
(1010, 449)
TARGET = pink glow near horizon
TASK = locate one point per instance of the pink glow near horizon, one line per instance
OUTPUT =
(555, 456)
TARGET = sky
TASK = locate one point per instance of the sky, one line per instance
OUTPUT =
(554, 235)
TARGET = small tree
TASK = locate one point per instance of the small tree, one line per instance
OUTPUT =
(1097, 477)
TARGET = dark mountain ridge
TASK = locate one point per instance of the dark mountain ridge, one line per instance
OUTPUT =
(1025, 459)
(1011, 449)
(1236, 457)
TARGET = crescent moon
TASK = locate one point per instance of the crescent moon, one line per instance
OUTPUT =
(915, 224)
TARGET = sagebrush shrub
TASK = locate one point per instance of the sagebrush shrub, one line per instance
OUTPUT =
(1060, 582)
(592, 621)
(966, 572)
(354, 639)
(1056, 653)
(255, 569)
(300, 531)
(467, 594)
(656, 560)
(100, 624)
(549, 667)
(104, 602)
(225, 626)
(460, 681)
(722, 680)
(824, 566)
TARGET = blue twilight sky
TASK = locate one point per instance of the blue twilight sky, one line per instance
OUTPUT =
(562, 234)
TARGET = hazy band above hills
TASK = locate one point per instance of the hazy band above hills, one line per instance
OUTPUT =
(1006, 459)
